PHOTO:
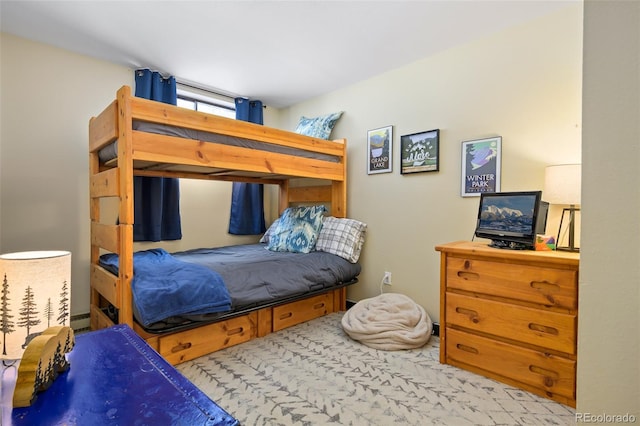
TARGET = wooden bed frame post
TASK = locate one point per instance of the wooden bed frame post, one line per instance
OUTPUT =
(339, 209)
(338, 199)
(94, 215)
(339, 188)
(126, 213)
(284, 196)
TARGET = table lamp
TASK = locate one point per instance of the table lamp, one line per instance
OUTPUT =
(35, 301)
(562, 185)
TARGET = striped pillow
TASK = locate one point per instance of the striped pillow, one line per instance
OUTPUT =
(342, 237)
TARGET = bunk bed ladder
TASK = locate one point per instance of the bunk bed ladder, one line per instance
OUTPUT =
(111, 300)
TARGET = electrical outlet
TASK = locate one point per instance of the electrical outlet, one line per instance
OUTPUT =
(386, 280)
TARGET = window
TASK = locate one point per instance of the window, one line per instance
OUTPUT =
(201, 100)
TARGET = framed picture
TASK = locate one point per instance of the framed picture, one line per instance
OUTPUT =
(419, 152)
(481, 166)
(380, 150)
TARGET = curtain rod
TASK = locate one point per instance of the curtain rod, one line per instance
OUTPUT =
(226, 95)
(180, 82)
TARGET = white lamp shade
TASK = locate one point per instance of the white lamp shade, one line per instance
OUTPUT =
(35, 293)
(562, 184)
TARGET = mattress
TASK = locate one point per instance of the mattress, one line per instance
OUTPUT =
(254, 274)
(110, 152)
(256, 277)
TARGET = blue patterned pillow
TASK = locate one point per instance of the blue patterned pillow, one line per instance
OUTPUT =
(318, 127)
(267, 235)
(297, 229)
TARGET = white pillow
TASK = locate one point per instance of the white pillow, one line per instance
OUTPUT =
(342, 237)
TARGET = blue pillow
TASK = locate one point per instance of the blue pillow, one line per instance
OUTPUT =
(318, 127)
(297, 229)
(267, 235)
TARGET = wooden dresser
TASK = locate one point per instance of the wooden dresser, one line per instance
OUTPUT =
(511, 315)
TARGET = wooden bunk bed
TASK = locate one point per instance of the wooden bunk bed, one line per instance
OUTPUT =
(146, 154)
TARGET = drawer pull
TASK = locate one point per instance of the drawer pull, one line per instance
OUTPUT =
(180, 347)
(238, 330)
(549, 376)
(318, 306)
(545, 288)
(286, 315)
(543, 329)
(473, 315)
(466, 348)
(469, 276)
(544, 285)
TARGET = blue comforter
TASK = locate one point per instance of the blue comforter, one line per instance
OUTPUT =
(164, 286)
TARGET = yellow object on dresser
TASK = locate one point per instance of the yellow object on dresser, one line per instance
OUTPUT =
(511, 315)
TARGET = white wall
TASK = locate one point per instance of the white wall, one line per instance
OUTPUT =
(48, 97)
(523, 84)
(609, 321)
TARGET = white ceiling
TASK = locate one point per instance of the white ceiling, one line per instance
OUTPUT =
(281, 52)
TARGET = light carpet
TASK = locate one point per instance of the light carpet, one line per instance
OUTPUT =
(314, 374)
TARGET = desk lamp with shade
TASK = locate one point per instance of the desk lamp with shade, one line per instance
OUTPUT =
(562, 185)
(35, 300)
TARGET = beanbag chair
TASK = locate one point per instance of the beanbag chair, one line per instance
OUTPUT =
(390, 321)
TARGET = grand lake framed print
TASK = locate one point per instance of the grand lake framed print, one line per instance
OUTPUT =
(380, 150)
(419, 152)
(481, 166)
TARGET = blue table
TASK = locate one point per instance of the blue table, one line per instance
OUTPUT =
(116, 379)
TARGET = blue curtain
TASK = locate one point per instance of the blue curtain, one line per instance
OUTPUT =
(247, 199)
(156, 200)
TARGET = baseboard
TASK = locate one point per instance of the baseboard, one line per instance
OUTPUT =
(435, 331)
(80, 322)
(350, 303)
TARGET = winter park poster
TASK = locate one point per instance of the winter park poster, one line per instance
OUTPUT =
(481, 166)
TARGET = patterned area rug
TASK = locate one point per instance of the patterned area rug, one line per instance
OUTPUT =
(314, 374)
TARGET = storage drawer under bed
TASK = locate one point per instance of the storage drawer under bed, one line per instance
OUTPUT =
(303, 310)
(189, 344)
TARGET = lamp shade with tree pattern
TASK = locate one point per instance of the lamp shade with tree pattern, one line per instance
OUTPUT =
(35, 293)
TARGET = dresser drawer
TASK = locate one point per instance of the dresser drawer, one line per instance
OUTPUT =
(542, 285)
(534, 326)
(553, 374)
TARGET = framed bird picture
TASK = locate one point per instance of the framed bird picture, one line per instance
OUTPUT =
(419, 152)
